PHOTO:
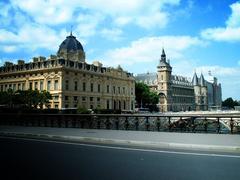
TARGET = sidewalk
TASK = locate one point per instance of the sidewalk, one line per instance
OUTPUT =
(194, 141)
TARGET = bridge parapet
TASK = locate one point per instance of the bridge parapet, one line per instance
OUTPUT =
(202, 123)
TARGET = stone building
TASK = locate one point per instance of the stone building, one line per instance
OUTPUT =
(71, 81)
(179, 93)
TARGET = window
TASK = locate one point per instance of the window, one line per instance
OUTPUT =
(98, 99)
(84, 86)
(36, 85)
(75, 85)
(107, 104)
(30, 85)
(114, 90)
(56, 106)
(107, 88)
(66, 98)
(66, 85)
(99, 87)
(14, 87)
(23, 86)
(66, 105)
(119, 91)
(91, 87)
(41, 85)
(131, 91)
(91, 99)
(56, 85)
(83, 98)
(55, 98)
(19, 86)
(48, 85)
(75, 98)
(123, 90)
(124, 104)
(1, 87)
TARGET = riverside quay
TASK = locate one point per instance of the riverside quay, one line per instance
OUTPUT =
(208, 123)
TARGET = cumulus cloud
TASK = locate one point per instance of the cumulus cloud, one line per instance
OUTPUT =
(229, 33)
(31, 37)
(149, 49)
(124, 11)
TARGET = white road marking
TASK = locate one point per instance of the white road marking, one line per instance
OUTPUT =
(128, 149)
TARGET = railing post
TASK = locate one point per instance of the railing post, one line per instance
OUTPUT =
(117, 123)
(126, 123)
(231, 125)
(218, 125)
(181, 124)
(136, 123)
(158, 124)
(147, 124)
(98, 122)
(205, 125)
(169, 123)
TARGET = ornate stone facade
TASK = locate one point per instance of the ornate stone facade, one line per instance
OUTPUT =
(179, 93)
(71, 81)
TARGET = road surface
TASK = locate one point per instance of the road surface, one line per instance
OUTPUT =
(43, 159)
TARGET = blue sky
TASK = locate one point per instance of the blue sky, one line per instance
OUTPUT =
(197, 35)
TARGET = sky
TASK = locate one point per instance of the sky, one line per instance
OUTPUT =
(197, 35)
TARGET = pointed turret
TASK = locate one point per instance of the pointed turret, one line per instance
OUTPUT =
(202, 80)
(163, 56)
(195, 79)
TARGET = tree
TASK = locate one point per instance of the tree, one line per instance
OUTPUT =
(230, 103)
(28, 98)
(145, 97)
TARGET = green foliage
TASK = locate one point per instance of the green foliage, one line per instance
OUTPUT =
(230, 103)
(28, 98)
(83, 110)
(144, 96)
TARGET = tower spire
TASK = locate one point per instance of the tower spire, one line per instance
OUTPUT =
(163, 56)
(71, 30)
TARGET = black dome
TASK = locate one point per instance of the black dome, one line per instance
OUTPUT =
(71, 43)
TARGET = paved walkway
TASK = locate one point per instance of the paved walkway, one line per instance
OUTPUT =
(215, 142)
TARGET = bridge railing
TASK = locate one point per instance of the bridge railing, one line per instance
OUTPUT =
(139, 122)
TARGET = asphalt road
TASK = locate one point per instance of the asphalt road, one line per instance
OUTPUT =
(32, 159)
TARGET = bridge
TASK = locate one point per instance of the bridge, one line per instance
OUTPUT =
(172, 122)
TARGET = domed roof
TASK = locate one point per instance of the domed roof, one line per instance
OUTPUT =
(71, 44)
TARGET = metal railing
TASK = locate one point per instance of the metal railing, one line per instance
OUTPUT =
(206, 123)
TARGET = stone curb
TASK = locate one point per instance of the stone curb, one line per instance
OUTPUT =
(235, 149)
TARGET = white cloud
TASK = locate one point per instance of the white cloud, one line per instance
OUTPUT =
(121, 12)
(45, 12)
(219, 71)
(222, 34)
(234, 19)
(111, 34)
(149, 49)
(9, 49)
(31, 37)
(229, 33)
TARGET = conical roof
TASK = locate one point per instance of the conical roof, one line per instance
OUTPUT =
(195, 79)
(202, 80)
